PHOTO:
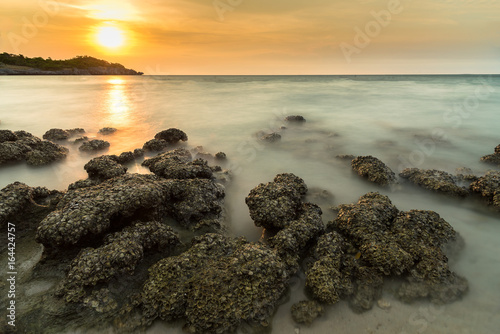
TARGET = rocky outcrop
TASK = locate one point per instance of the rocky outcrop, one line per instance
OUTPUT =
(375, 240)
(71, 71)
(60, 134)
(103, 168)
(21, 145)
(107, 131)
(215, 286)
(295, 119)
(177, 164)
(374, 170)
(172, 136)
(435, 180)
(94, 145)
(488, 187)
(119, 255)
(305, 312)
(271, 138)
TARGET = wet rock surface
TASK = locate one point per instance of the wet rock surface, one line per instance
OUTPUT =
(94, 145)
(172, 136)
(104, 167)
(177, 164)
(494, 158)
(119, 255)
(305, 312)
(488, 187)
(21, 145)
(215, 286)
(60, 134)
(373, 240)
(435, 180)
(374, 170)
(107, 131)
(155, 145)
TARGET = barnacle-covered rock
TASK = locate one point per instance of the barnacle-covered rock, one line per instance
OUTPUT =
(374, 170)
(216, 285)
(493, 158)
(271, 137)
(120, 254)
(177, 164)
(435, 180)
(274, 204)
(306, 311)
(328, 278)
(94, 145)
(172, 135)
(56, 134)
(107, 131)
(488, 187)
(103, 168)
(45, 152)
(7, 135)
(25, 207)
(451, 288)
(87, 210)
(125, 157)
(155, 145)
(29, 148)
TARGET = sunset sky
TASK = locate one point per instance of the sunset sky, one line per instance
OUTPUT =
(261, 36)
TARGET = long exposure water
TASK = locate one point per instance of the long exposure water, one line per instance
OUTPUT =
(441, 122)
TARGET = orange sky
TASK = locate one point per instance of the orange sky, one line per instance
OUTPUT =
(263, 36)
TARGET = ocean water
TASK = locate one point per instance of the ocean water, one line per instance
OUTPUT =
(441, 122)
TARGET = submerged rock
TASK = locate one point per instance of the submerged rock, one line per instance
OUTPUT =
(94, 145)
(305, 312)
(107, 131)
(172, 136)
(177, 164)
(488, 187)
(33, 150)
(295, 118)
(435, 180)
(119, 255)
(215, 286)
(374, 170)
(271, 138)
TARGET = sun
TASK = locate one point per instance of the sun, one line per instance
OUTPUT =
(110, 37)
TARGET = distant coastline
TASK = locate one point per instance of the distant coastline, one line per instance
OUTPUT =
(82, 65)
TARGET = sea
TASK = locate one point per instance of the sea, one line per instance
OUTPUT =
(440, 122)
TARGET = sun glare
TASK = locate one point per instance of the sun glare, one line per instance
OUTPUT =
(110, 37)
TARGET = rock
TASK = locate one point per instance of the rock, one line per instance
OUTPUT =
(88, 211)
(465, 174)
(305, 312)
(434, 180)
(103, 168)
(124, 157)
(94, 145)
(296, 119)
(171, 136)
(374, 170)
(215, 286)
(80, 140)
(107, 131)
(383, 304)
(447, 291)
(493, 158)
(271, 138)
(155, 145)
(7, 135)
(119, 255)
(138, 153)
(56, 134)
(75, 132)
(220, 156)
(488, 187)
(177, 164)
(274, 204)
(31, 149)
(46, 152)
